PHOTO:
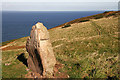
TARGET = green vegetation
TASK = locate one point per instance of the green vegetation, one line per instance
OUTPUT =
(84, 20)
(106, 11)
(6, 42)
(97, 16)
(112, 14)
(16, 69)
(87, 50)
(66, 26)
(16, 41)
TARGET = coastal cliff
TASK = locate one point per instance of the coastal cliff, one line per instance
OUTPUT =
(84, 48)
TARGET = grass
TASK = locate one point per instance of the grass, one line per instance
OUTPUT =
(84, 20)
(80, 59)
(66, 26)
(16, 69)
(6, 42)
(97, 16)
(87, 50)
(19, 41)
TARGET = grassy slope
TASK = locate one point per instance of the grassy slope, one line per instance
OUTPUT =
(88, 18)
(87, 50)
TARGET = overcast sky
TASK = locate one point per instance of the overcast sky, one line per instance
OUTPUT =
(60, 0)
(59, 5)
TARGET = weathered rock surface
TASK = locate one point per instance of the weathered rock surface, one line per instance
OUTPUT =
(41, 57)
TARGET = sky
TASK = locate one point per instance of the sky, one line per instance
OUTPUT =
(59, 5)
(60, 0)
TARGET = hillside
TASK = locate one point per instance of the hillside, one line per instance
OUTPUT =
(84, 49)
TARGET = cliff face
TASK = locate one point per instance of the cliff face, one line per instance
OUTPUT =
(41, 57)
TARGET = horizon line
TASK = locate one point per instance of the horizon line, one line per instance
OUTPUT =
(56, 11)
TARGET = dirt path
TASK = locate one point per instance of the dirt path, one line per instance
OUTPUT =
(12, 47)
(2, 47)
(8, 47)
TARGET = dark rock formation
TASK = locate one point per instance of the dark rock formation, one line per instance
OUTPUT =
(41, 57)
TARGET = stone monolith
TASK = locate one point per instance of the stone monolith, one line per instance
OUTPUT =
(41, 57)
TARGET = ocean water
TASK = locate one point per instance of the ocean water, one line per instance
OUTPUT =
(18, 24)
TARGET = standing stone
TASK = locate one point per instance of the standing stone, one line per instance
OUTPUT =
(41, 57)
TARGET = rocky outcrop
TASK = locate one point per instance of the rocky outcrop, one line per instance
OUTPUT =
(41, 57)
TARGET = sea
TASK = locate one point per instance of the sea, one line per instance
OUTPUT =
(17, 24)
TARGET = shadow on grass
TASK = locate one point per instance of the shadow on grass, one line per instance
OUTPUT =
(22, 58)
